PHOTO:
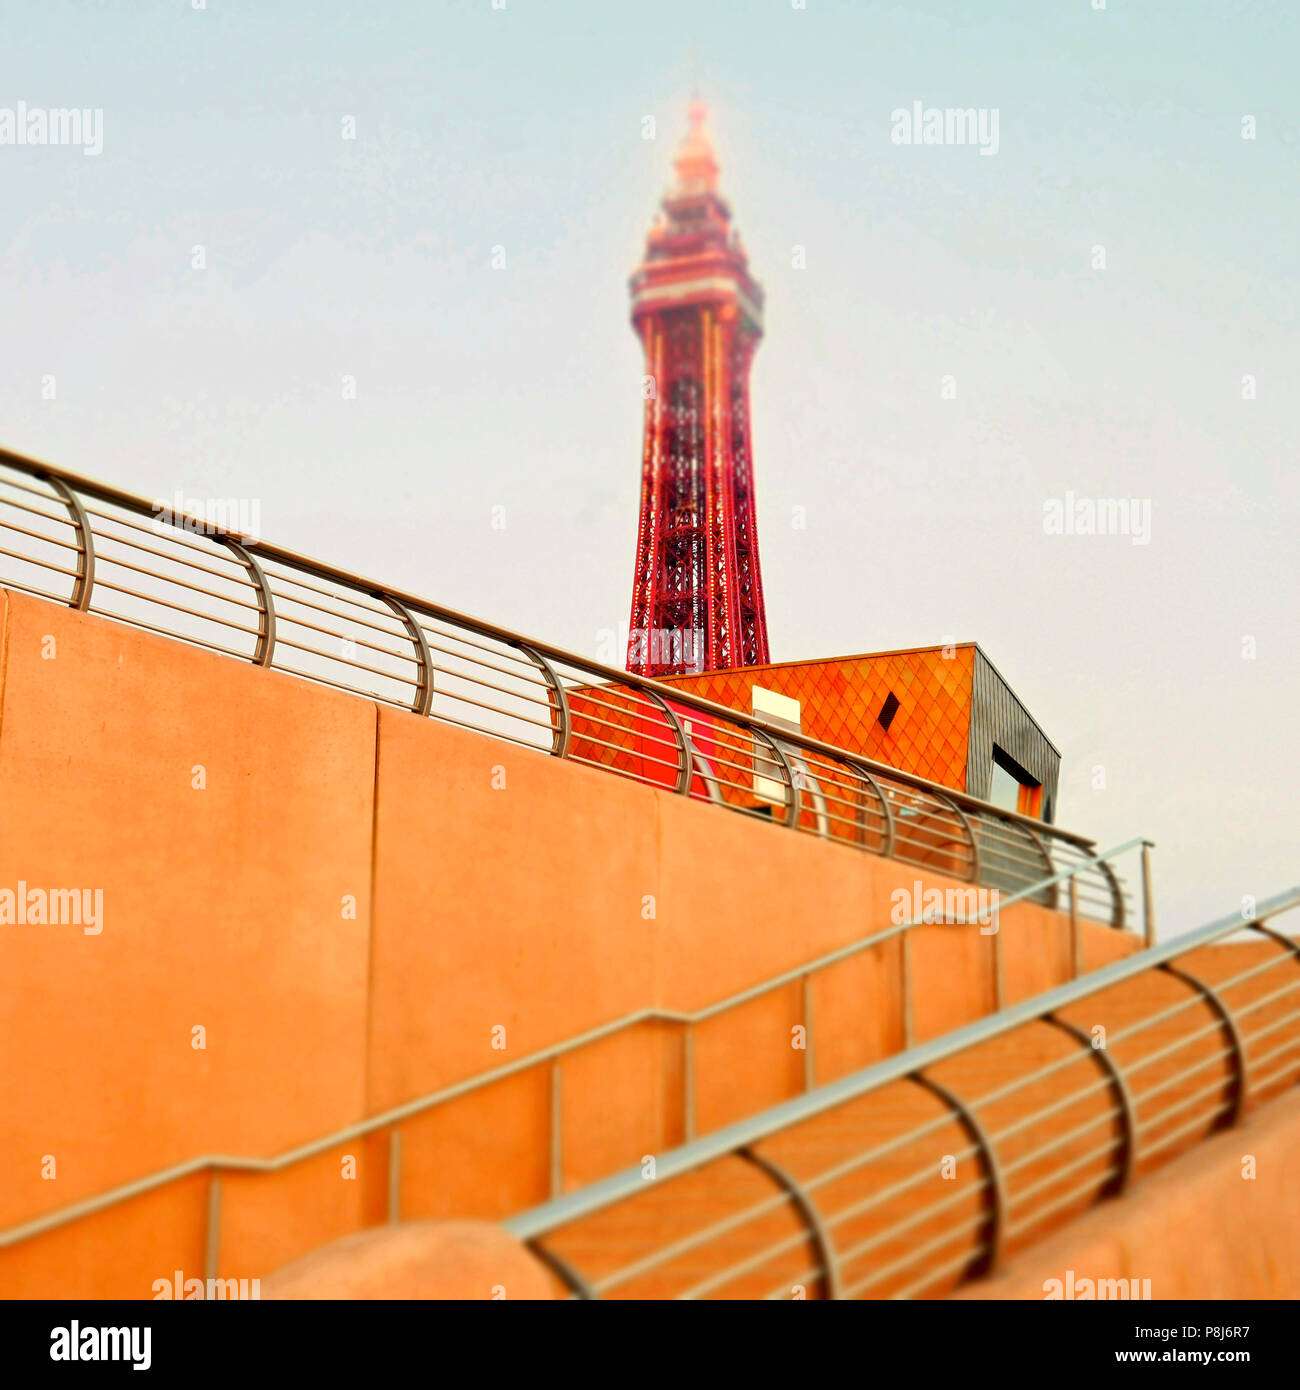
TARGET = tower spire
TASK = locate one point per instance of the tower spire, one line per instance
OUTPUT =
(697, 597)
(695, 162)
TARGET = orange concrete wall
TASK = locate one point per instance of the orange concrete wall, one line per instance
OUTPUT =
(350, 906)
(221, 912)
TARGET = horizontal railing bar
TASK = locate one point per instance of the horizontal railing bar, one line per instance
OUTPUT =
(1075, 1057)
(276, 577)
(935, 1243)
(1283, 1022)
(1036, 1117)
(41, 564)
(40, 593)
(239, 578)
(843, 952)
(811, 1184)
(1257, 1082)
(627, 752)
(40, 535)
(1191, 1002)
(512, 715)
(406, 655)
(353, 664)
(1201, 1122)
(582, 716)
(236, 600)
(580, 720)
(165, 631)
(1196, 1097)
(1035, 1218)
(521, 676)
(101, 584)
(508, 654)
(758, 1260)
(1049, 1180)
(33, 491)
(865, 1247)
(976, 1252)
(171, 534)
(441, 718)
(1059, 1141)
(1179, 1077)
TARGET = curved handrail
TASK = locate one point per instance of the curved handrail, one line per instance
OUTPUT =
(347, 592)
(267, 551)
(743, 1134)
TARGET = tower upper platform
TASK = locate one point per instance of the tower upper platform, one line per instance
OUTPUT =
(693, 253)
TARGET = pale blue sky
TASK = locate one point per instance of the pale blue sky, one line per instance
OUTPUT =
(520, 387)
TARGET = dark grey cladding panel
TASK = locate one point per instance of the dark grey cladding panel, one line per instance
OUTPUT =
(997, 716)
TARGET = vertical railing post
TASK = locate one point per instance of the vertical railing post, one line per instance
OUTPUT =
(886, 811)
(783, 763)
(394, 1176)
(809, 1060)
(1127, 1112)
(423, 701)
(812, 1218)
(557, 1130)
(968, 827)
(999, 969)
(1236, 1043)
(685, 768)
(212, 1252)
(1076, 941)
(1118, 916)
(264, 651)
(562, 731)
(1053, 894)
(994, 1186)
(85, 580)
(905, 969)
(1148, 897)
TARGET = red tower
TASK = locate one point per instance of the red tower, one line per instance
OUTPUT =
(697, 596)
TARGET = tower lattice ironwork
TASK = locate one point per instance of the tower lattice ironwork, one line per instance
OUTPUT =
(697, 596)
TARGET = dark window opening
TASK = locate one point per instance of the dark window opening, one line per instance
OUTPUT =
(887, 712)
(1012, 787)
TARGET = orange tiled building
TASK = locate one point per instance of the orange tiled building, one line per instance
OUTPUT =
(943, 713)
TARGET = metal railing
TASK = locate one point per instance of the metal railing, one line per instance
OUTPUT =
(867, 1215)
(553, 1057)
(101, 550)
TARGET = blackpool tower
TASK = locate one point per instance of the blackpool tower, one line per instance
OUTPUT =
(697, 596)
